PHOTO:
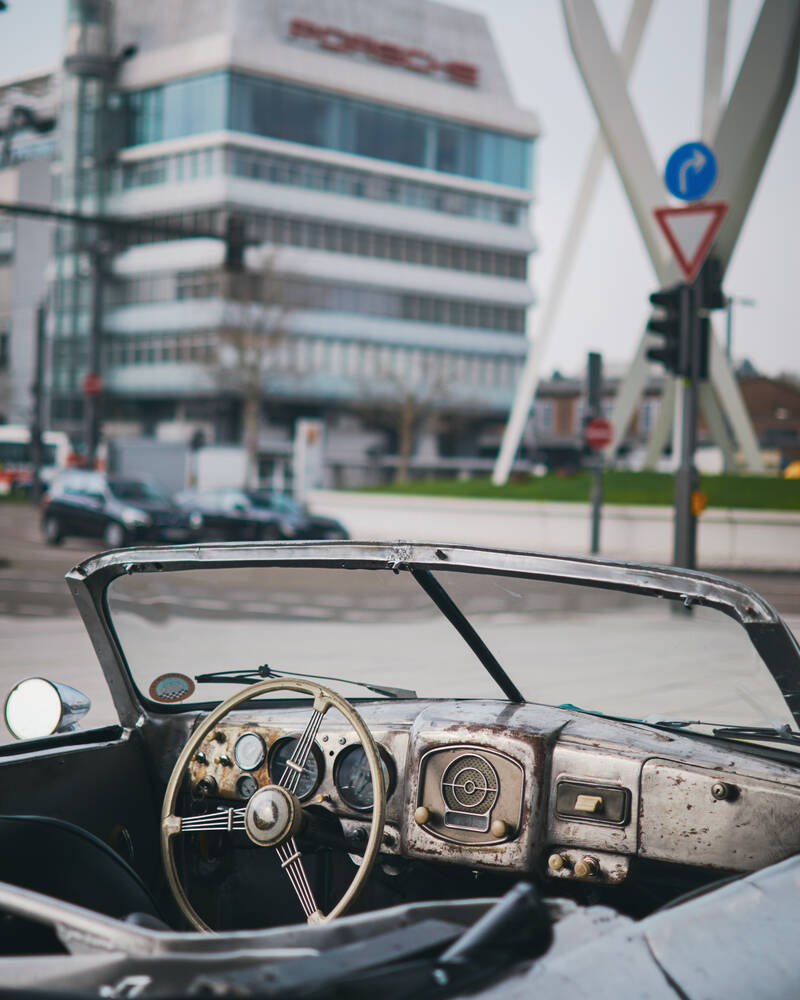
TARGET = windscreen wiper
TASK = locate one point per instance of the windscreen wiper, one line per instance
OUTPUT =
(264, 671)
(776, 734)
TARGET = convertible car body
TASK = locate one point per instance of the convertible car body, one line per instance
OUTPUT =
(359, 769)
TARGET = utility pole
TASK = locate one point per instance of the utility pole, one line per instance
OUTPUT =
(92, 382)
(594, 409)
(37, 391)
(687, 478)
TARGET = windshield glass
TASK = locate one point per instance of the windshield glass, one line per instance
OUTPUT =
(562, 644)
(130, 490)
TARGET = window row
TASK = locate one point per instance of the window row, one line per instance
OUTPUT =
(394, 365)
(260, 106)
(294, 293)
(339, 238)
(274, 169)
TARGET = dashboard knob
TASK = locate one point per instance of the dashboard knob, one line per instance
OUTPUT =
(422, 815)
(499, 829)
(586, 867)
(556, 862)
(206, 786)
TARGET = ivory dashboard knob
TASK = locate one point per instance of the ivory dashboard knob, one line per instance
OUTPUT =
(498, 829)
(586, 867)
(422, 815)
(556, 862)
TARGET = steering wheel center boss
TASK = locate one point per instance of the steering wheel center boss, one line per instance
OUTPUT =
(273, 815)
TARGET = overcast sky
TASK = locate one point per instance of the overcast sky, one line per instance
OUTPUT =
(605, 306)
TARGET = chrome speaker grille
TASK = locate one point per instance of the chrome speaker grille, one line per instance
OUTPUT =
(470, 784)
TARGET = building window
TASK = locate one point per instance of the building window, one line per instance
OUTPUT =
(260, 106)
(5, 339)
(544, 412)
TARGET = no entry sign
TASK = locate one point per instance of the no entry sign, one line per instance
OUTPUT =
(599, 433)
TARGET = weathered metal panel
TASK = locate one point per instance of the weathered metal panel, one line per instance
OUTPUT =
(681, 820)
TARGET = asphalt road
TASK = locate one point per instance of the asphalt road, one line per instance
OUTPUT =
(32, 573)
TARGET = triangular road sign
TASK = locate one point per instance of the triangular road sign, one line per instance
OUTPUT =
(690, 231)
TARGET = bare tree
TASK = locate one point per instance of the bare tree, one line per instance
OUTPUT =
(407, 403)
(251, 347)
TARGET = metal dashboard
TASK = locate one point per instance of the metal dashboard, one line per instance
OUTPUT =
(533, 789)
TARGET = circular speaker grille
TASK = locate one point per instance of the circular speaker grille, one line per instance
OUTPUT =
(469, 784)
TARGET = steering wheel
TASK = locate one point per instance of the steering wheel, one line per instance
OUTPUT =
(273, 814)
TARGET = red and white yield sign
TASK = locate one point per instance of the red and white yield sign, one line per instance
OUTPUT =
(598, 433)
(690, 231)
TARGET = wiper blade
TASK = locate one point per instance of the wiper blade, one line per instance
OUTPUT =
(264, 671)
(777, 734)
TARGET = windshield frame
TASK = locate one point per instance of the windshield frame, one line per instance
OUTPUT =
(775, 644)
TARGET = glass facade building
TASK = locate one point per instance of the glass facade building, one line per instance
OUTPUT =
(278, 110)
(389, 234)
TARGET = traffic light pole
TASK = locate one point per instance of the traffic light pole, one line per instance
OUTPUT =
(687, 478)
(37, 392)
(92, 391)
(594, 407)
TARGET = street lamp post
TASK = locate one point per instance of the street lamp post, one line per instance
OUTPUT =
(729, 303)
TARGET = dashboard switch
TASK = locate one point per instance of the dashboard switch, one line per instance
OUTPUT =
(587, 867)
(422, 815)
(589, 804)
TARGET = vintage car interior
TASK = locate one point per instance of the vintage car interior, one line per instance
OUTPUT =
(308, 729)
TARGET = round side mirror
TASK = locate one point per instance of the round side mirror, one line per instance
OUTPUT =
(37, 707)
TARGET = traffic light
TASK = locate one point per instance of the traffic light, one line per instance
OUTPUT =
(710, 285)
(673, 327)
(234, 244)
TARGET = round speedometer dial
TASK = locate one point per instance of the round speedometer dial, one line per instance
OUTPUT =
(352, 778)
(249, 751)
(312, 772)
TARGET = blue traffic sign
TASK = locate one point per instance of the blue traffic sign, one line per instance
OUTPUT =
(691, 171)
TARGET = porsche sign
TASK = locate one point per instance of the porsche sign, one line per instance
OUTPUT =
(417, 60)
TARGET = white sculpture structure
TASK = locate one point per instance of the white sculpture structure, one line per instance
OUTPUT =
(741, 135)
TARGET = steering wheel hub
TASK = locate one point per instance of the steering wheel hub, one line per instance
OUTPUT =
(273, 815)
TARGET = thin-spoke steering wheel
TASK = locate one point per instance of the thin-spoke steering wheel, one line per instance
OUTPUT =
(273, 814)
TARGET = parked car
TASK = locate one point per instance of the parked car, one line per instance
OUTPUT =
(296, 520)
(229, 515)
(243, 515)
(400, 769)
(119, 511)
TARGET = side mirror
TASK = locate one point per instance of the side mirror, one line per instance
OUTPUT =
(36, 707)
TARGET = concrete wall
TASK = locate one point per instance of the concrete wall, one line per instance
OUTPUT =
(726, 538)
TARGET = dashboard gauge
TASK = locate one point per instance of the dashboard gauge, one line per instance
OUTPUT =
(279, 755)
(249, 752)
(246, 786)
(352, 778)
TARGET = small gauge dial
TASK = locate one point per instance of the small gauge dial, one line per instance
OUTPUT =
(249, 751)
(246, 786)
(312, 772)
(352, 778)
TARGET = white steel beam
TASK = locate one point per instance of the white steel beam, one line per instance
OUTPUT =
(717, 426)
(730, 397)
(749, 123)
(531, 372)
(608, 93)
(716, 40)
